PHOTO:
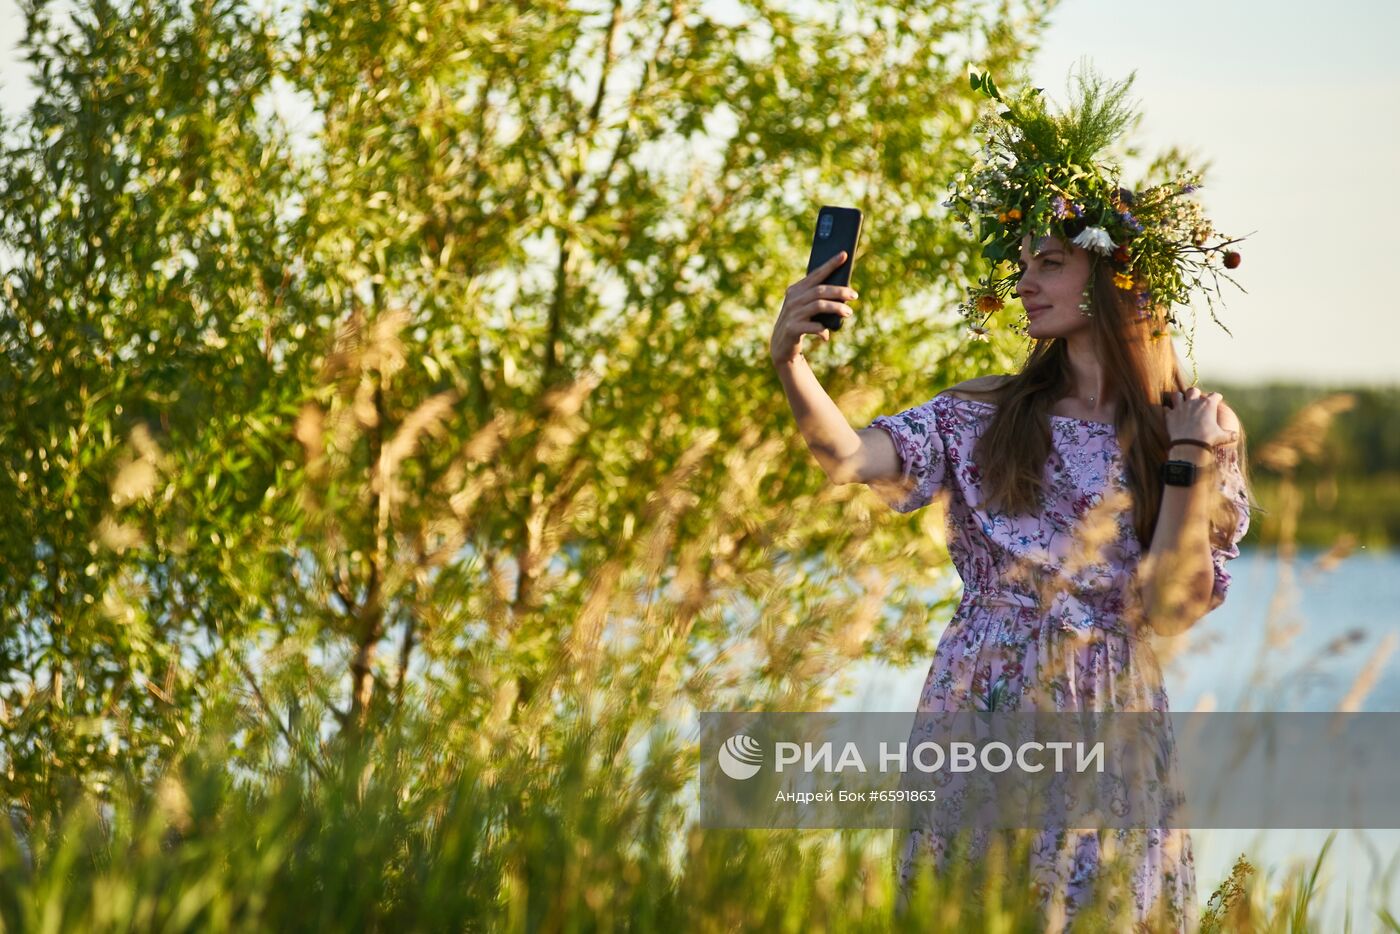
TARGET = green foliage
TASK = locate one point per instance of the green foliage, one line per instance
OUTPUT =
(1363, 441)
(1350, 483)
(578, 840)
(143, 218)
(1363, 509)
(1099, 113)
(450, 396)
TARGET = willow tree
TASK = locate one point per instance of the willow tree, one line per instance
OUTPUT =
(449, 393)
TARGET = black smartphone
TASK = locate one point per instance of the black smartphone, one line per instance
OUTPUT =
(837, 229)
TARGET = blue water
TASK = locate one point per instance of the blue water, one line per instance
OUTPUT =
(1230, 661)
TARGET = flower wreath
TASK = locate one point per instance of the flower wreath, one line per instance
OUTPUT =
(1039, 173)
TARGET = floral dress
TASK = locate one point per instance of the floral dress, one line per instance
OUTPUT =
(1010, 647)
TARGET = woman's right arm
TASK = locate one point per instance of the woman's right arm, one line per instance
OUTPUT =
(847, 455)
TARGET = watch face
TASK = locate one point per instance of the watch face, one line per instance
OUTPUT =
(1178, 473)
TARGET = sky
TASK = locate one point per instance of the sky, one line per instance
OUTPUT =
(1297, 110)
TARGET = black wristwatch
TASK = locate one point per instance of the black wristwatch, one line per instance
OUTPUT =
(1179, 473)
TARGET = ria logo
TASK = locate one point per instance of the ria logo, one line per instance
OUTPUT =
(740, 757)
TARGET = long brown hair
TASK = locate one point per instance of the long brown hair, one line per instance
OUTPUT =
(1140, 369)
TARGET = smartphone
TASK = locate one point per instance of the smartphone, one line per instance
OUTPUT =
(837, 229)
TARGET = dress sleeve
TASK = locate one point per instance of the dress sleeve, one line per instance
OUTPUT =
(1225, 542)
(919, 439)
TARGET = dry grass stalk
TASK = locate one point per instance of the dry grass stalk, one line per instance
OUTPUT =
(1368, 676)
(1305, 437)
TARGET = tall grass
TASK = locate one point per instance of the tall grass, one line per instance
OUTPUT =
(529, 850)
(567, 830)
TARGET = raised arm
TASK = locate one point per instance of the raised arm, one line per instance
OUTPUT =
(847, 455)
(1182, 575)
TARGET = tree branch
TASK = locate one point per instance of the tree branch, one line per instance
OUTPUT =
(272, 714)
(624, 142)
(595, 111)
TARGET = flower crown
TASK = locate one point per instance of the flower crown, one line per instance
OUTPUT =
(1039, 173)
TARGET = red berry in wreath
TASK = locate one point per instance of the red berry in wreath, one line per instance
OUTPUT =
(1232, 259)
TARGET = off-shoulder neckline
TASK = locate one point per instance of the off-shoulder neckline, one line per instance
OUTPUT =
(1068, 418)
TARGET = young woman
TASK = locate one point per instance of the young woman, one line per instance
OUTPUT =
(1083, 430)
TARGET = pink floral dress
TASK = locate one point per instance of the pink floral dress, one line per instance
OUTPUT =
(1003, 650)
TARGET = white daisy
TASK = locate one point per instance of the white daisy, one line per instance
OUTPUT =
(1095, 238)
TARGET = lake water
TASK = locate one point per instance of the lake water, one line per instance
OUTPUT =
(1229, 663)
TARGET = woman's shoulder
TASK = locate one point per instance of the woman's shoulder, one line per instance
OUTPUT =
(1226, 418)
(972, 401)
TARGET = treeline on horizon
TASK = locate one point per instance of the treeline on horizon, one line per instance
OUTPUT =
(1352, 487)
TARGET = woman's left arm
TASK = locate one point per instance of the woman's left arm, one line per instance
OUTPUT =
(1177, 574)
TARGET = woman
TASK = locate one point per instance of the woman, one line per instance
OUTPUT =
(1072, 540)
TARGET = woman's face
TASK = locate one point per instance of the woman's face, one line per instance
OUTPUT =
(1051, 287)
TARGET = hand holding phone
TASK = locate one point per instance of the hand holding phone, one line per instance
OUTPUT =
(837, 231)
(804, 297)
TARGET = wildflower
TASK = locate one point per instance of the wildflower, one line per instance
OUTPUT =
(1232, 259)
(1123, 280)
(989, 303)
(1120, 255)
(1060, 207)
(977, 332)
(1132, 223)
(1096, 239)
(1014, 214)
